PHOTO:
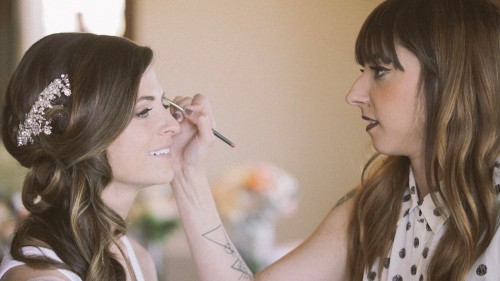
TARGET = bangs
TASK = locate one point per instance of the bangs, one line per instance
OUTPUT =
(376, 42)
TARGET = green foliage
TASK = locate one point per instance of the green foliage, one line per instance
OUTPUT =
(152, 229)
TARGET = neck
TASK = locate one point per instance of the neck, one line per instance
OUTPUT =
(418, 168)
(119, 198)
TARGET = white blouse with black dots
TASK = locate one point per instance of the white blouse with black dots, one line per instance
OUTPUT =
(419, 229)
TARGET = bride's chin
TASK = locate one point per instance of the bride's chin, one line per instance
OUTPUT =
(165, 178)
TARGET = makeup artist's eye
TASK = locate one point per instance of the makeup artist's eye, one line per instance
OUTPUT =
(379, 71)
(144, 113)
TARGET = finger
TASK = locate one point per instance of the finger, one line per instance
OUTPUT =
(205, 132)
(182, 102)
(200, 106)
(207, 109)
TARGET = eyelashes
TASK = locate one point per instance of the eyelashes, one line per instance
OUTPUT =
(379, 71)
(175, 110)
(144, 113)
(176, 114)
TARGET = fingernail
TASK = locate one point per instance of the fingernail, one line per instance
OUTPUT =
(177, 116)
(188, 111)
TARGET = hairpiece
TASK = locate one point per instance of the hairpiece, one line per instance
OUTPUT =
(35, 122)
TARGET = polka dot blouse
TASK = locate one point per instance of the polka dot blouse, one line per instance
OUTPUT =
(419, 229)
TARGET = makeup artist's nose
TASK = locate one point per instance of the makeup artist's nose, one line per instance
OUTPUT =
(358, 94)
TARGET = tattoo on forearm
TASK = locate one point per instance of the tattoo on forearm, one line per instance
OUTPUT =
(219, 237)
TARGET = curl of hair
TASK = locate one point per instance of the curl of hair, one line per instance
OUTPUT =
(457, 43)
(68, 169)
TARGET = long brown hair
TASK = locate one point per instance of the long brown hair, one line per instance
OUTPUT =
(68, 169)
(457, 43)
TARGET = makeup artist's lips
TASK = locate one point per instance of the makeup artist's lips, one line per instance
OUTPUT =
(372, 124)
(164, 151)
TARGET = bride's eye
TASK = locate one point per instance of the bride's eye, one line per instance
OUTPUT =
(144, 113)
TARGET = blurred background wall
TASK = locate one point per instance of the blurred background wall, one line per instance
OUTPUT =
(276, 72)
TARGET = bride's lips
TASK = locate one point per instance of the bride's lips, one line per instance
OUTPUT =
(160, 152)
(372, 124)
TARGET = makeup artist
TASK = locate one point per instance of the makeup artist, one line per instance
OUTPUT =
(427, 207)
(86, 115)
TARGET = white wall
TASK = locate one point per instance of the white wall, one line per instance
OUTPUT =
(277, 73)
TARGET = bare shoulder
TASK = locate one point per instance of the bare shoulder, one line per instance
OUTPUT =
(26, 273)
(145, 259)
(140, 251)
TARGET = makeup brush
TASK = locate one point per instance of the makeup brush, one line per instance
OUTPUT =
(217, 134)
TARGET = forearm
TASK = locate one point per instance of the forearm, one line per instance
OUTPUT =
(212, 251)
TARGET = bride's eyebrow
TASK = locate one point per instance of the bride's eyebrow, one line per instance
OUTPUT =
(150, 98)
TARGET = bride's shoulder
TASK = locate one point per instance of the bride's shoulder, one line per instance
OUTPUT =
(144, 258)
(27, 273)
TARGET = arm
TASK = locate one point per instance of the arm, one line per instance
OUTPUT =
(213, 253)
(321, 257)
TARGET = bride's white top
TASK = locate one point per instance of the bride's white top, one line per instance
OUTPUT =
(8, 262)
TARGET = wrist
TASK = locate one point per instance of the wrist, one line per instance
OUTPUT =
(191, 188)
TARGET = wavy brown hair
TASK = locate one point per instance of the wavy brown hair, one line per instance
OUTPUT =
(68, 169)
(457, 43)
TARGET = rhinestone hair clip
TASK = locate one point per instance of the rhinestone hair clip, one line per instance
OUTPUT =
(35, 122)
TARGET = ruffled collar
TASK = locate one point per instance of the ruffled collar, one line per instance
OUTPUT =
(434, 212)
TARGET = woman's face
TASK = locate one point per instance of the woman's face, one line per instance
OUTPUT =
(389, 101)
(140, 156)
